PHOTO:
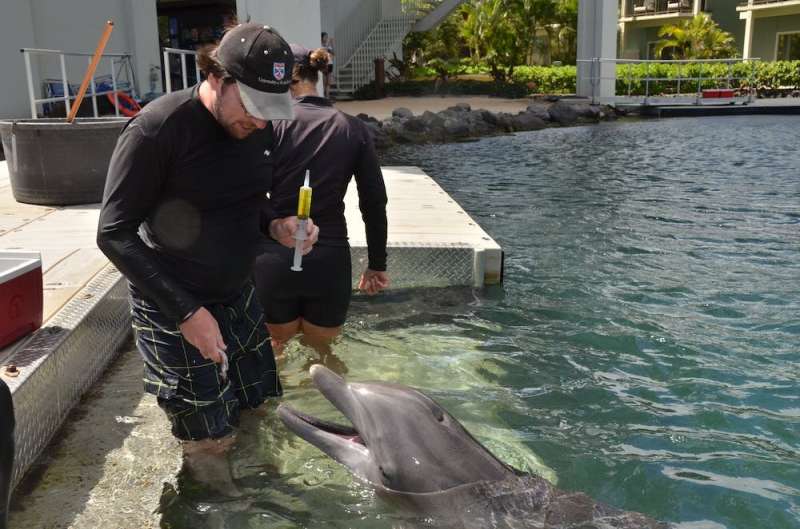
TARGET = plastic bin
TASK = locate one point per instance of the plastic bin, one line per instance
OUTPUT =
(54, 163)
(20, 295)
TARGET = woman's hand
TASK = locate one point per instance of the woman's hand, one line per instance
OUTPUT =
(373, 281)
(283, 230)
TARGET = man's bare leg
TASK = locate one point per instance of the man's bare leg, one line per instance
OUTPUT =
(207, 462)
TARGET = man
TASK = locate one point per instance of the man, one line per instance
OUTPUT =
(183, 210)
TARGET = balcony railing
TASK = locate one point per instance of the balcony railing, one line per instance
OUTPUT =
(761, 2)
(638, 8)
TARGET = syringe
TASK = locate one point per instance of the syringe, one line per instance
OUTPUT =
(303, 212)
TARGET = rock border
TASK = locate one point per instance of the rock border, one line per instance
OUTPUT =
(460, 122)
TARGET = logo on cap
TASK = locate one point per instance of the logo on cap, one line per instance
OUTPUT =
(278, 70)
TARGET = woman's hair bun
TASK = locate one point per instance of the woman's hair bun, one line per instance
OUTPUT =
(319, 59)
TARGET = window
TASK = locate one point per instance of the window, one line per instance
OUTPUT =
(788, 47)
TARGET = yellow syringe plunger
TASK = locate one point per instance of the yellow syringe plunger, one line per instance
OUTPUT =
(304, 200)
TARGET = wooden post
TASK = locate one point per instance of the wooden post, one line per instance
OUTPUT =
(98, 53)
(380, 78)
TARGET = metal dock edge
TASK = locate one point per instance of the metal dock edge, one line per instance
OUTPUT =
(60, 361)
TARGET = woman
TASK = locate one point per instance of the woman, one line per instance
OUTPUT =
(327, 44)
(333, 147)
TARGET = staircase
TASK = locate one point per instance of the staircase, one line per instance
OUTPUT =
(367, 34)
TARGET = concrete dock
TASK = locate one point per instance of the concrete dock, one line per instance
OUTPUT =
(663, 108)
(432, 243)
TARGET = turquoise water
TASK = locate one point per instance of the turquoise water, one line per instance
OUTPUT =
(644, 348)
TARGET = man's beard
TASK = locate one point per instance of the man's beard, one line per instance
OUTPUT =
(238, 132)
(223, 120)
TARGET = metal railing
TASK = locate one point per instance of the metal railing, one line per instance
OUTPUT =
(121, 60)
(354, 29)
(689, 73)
(761, 2)
(658, 7)
(370, 36)
(182, 54)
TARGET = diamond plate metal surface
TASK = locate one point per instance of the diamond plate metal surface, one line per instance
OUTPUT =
(63, 359)
(420, 265)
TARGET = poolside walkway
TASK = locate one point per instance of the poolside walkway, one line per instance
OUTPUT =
(65, 236)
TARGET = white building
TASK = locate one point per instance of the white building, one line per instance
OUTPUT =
(361, 31)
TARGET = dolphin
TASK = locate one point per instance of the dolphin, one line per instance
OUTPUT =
(416, 455)
(6, 450)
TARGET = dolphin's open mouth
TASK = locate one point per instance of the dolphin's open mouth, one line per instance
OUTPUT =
(344, 443)
(294, 420)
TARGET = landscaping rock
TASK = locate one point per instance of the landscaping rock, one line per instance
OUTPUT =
(460, 107)
(379, 136)
(432, 120)
(539, 110)
(460, 121)
(366, 118)
(415, 124)
(456, 128)
(527, 121)
(587, 112)
(563, 113)
(402, 112)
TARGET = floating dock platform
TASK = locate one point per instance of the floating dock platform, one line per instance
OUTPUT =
(432, 242)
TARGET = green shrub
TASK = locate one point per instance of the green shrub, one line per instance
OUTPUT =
(454, 87)
(630, 79)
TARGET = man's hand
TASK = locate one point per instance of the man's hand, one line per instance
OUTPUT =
(202, 331)
(373, 281)
(283, 230)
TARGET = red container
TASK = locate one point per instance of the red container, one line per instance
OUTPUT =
(20, 295)
(710, 92)
(725, 92)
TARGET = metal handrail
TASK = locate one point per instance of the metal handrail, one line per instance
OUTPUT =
(658, 7)
(184, 77)
(123, 58)
(699, 78)
(760, 2)
(384, 33)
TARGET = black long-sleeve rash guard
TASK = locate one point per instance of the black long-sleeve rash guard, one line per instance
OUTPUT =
(334, 147)
(185, 204)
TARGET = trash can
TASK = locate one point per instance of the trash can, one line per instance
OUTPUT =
(55, 163)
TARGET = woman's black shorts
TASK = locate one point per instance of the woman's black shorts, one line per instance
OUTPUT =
(319, 294)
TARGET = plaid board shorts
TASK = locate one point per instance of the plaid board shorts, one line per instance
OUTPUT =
(189, 388)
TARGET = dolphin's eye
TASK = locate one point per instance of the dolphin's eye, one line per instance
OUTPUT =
(383, 472)
(437, 412)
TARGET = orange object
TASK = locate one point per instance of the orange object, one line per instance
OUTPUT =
(98, 53)
(126, 104)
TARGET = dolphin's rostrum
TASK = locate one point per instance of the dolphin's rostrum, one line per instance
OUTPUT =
(417, 455)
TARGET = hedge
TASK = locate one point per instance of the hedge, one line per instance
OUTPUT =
(452, 87)
(630, 77)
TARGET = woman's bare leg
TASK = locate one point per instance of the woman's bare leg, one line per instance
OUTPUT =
(320, 338)
(280, 333)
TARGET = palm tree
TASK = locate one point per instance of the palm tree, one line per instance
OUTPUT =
(697, 38)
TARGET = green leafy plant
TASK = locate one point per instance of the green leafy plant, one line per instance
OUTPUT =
(697, 38)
